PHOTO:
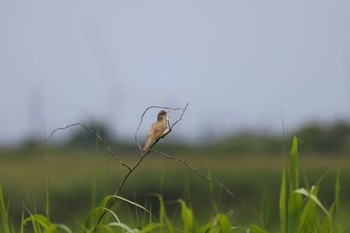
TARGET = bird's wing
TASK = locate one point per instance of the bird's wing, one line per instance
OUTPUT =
(157, 130)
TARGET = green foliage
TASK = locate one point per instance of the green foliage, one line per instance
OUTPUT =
(43, 224)
(164, 221)
(283, 201)
(221, 223)
(300, 209)
(187, 217)
(4, 221)
(256, 229)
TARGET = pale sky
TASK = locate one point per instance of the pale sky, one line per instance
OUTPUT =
(240, 64)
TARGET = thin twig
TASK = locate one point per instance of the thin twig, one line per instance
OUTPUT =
(195, 170)
(183, 112)
(88, 129)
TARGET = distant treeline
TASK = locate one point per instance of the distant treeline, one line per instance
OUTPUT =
(314, 138)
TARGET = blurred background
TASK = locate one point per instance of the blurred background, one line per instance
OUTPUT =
(255, 73)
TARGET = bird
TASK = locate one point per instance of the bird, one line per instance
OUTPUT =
(158, 129)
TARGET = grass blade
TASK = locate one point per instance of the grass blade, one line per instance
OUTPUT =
(295, 199)
(187, 217)
(4, 214)
(256, 229)
(225, 224)
(283, 201)
(42, 221)
(294, 167)
(163, 218)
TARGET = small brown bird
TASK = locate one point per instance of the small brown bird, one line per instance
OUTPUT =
(158, 129)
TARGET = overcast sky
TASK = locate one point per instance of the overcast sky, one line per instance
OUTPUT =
(240, 64)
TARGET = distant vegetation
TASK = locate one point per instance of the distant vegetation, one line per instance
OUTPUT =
(314, 138)
(80, 172)
(335, 138)
(300, 207)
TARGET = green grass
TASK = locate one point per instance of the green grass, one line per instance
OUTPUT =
(302, 207)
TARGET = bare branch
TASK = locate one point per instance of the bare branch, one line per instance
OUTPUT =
(183, 112)
(50, 136)
(143, 155)
(88, 129)
(195, 170)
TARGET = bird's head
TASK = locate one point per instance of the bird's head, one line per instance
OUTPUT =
(162, 115)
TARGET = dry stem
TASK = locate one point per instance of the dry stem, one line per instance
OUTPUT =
(88, 129)
(195, 170)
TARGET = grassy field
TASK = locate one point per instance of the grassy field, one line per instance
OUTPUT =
(77, 181)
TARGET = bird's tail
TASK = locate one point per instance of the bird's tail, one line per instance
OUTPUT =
(147, 145)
